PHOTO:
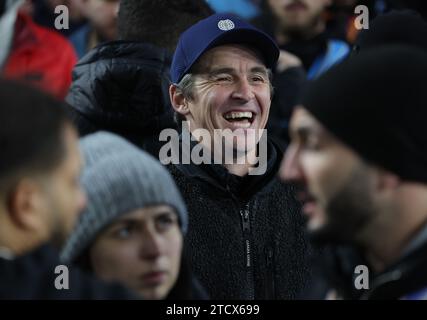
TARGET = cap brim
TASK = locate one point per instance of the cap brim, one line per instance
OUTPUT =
(250, 37)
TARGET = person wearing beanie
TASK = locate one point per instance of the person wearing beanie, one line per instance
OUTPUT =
(358, 154)
(133, 226)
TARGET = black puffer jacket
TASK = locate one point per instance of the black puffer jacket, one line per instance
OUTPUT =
(245, 235)
(122, 87)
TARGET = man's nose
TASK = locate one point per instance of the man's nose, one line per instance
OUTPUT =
(290, 169)
(243, 90)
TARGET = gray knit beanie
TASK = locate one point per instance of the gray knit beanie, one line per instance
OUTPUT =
(118, 178)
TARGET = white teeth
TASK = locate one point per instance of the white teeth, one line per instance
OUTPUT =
(237, 115)
(245, 124)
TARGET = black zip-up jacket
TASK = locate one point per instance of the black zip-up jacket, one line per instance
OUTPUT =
(123, 87)
(245, 235)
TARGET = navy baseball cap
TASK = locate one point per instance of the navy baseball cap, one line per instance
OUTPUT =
(216, 30)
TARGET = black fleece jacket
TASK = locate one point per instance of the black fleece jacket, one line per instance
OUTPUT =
(245, 236)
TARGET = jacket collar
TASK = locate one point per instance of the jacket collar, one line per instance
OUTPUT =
(405, 276)
(218, 176)
(417, 241)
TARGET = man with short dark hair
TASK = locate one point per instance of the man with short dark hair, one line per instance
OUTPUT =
(40, 197)
(245, 238)
(358, 151)
(122, 86)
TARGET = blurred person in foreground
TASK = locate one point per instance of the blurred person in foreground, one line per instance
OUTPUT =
(40, 198)
(359, 157)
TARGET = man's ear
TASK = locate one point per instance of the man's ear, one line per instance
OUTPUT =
(179, 102)
(24, 203)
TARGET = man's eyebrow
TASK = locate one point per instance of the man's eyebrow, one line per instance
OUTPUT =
(220, 70)
(260, 70)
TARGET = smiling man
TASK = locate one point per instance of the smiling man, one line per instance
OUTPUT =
(359, 155)
(245, 238)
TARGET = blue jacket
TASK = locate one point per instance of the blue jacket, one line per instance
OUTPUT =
(243, 8)
(79, 39)
(335, 52)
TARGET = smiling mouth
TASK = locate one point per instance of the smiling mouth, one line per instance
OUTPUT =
(242, 119)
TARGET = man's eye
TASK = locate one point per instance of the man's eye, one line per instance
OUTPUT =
(223, 78)
(258, 79)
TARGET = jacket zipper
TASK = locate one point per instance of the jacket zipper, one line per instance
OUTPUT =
(270, 288)
(246, 227)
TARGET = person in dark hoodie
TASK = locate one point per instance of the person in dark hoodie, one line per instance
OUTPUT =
(133, 228)
(40, 198)
(245, 238)
(359, 156)
(122, 86)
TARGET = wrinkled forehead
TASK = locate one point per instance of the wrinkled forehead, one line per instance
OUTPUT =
(226, 55)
